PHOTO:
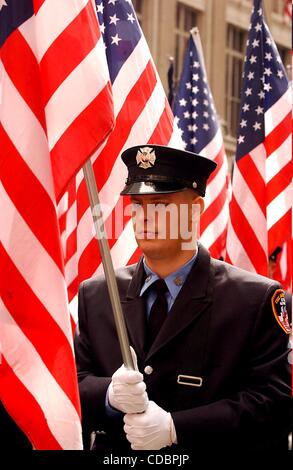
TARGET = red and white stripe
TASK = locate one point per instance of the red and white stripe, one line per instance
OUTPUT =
(142, 115)
(52, 119)
(214, 220)
(261, 204)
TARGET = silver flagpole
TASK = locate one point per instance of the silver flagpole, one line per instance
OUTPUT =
(107, 263)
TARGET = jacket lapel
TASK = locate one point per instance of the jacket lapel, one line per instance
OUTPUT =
(192, 301)
(134, 311)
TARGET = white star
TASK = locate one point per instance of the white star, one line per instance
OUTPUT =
(114, 19)
(247, 42)
(205, 102)
(193, 141)
(188, 86)
(196, 64)
(268, 56)
(194, 102)
(250, 76)
(279, 59)
(257, 27)
(245, 107)
(183, 102)
(205, 91)
(259, 11)
(253, 59)
(193, 128)
(194, 115)
(206, 115)
(100, 8)
(195, 89)
(176, 120)
(259, 110)
(248, 91)
(116, 39)
(243, 123)
(187, 114)
(268, 72)
(190, 53)
(269, 41)
(195, 77)
(280, 74)
(261, 95)
(267, 87)
(241, 139)
(257, 126)
(2, 4)
(206, 127)
(112, 1)
(102, 28)
(255, 43)
(130, 17)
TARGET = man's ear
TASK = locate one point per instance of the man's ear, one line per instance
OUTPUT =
(198, 199)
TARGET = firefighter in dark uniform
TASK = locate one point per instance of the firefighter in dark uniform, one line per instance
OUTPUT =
(211, 341)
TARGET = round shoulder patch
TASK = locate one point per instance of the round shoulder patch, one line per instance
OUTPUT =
(280, 310)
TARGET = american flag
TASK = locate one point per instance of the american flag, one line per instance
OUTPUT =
(260, 210)
(143, 115)
(196, 118)
(56, 108)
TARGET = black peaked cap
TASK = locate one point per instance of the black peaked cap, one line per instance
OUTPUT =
(159, 169)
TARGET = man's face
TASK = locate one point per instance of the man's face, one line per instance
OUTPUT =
(165, 224)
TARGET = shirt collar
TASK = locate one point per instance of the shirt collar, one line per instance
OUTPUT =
(174, 281)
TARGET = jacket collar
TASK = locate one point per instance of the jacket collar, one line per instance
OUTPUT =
(197, 288)
(136, 282)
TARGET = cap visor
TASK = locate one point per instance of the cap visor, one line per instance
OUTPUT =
(148, 187)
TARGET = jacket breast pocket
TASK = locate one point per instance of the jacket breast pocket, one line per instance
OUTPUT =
(188, 391)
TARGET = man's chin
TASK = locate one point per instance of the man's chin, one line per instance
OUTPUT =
(151, 246)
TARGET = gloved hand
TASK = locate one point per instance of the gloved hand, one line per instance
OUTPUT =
(127, 390)
(150, 430)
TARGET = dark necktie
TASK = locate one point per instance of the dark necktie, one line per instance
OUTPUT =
(158, 313)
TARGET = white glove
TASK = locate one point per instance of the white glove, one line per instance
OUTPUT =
(151, 430)
(127, 390)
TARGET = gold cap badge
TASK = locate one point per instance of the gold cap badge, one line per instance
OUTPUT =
(146, 157)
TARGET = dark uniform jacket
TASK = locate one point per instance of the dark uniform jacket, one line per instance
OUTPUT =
(221, 331)
(11, 436)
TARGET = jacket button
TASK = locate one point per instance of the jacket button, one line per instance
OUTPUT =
(148, 370)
